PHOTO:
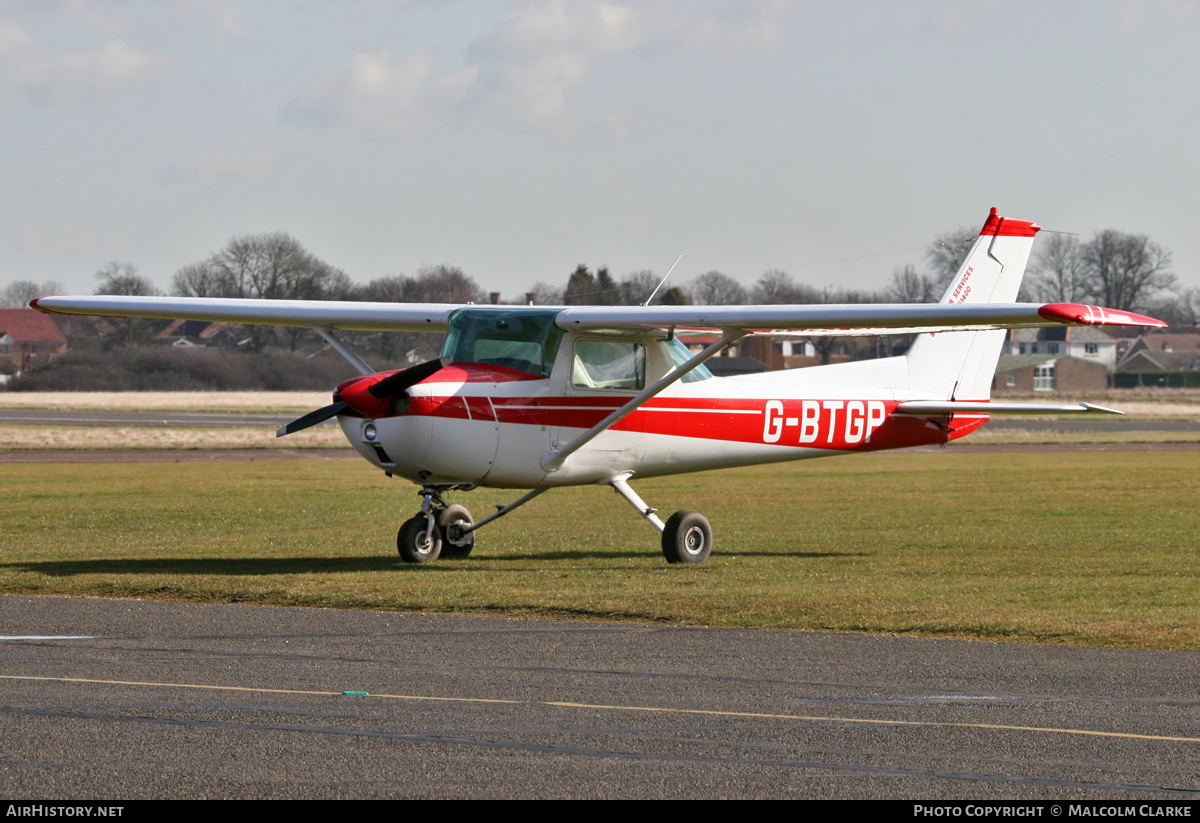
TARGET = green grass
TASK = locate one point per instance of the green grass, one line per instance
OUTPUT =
(1096, 548)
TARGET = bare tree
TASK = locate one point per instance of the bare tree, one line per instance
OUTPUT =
(1058, 275)
(945, 256)
(432, 284)
(1180, 309)
(716, 289)
(1125, 271)
(198, 280)
(446, 284)
(18, 293)
(908, 286)
(123, 278)
(637, 286)
(776, 286)
(272, 266)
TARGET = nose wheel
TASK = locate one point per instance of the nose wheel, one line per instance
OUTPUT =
(419, 540)
(439, 529)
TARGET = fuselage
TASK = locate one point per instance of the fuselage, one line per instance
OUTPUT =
(478, 423)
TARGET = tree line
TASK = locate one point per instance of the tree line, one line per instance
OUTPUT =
(1115, 269)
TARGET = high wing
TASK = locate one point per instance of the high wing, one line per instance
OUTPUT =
(855, 319)
(862, 319)
(323, 314)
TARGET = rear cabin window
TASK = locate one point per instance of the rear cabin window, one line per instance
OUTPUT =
(526, 341)
(609, 364)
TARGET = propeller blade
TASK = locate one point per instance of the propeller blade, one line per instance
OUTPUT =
(313, 418)
(395, 385)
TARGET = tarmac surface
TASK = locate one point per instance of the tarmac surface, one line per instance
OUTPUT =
(132, 699)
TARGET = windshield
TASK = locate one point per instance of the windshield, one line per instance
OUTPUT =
(680, 354)
(522, 339)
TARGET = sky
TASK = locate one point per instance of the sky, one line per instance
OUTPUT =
(519, 139)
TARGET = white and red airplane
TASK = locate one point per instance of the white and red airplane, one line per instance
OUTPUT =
(535, 397)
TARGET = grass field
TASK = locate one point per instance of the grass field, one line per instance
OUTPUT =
(31, 436)
(1096, 548)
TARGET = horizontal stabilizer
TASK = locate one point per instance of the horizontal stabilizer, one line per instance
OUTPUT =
(924, 408)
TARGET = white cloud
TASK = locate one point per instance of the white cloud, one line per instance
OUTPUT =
(210, 164)
(224, 17)
(377, 91)
(556, 26)
(47, 80)
(543, 50)
(525, 67)
(12, 38)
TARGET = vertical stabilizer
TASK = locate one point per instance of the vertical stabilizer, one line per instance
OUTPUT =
(960, 365)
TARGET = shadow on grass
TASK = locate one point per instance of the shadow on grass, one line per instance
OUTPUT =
(210, 565)
(335, 565)
(595, 555)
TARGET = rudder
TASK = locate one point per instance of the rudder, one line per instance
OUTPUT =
(960, 365)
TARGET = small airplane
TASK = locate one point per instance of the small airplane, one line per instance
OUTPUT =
(537, 397)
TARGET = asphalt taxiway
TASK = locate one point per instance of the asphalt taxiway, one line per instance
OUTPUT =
(133, 699)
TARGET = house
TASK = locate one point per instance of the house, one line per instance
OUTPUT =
(193, 332)
(1164, 351)
(1083, 342)
(781, 352)
(1052, 374)
(27, 337)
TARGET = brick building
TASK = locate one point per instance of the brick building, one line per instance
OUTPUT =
(27, 337)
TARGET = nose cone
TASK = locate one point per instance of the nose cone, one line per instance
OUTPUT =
(356, 393)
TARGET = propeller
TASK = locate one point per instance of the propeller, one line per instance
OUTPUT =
(350, 395)
(313, 418)
(399, 382)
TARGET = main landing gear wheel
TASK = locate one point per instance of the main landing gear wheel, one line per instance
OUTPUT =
(687, 537)
(414, 542)
(454, 543)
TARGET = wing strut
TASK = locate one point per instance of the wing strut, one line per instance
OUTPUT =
(342, 349)
(554, 458)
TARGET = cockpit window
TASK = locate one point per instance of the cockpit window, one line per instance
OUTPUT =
(523, 340)
(609, 364)
(680, 354)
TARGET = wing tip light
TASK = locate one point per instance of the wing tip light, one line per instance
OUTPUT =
(1079, 314)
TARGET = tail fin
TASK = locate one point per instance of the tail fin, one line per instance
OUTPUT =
(960, 365)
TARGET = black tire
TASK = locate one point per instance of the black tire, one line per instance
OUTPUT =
(411, 543)
(687, 538)
(446, 518)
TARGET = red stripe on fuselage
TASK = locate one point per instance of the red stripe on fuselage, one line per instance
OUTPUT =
(857, 425)
(481, 409)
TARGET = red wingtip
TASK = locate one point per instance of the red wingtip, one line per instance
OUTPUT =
(1077, 313)
(33, 304)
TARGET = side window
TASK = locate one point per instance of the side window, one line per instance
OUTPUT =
(608, 364)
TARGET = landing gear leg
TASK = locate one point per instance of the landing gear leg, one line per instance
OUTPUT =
(686, 536)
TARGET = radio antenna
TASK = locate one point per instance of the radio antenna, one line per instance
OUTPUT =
(664, 280)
